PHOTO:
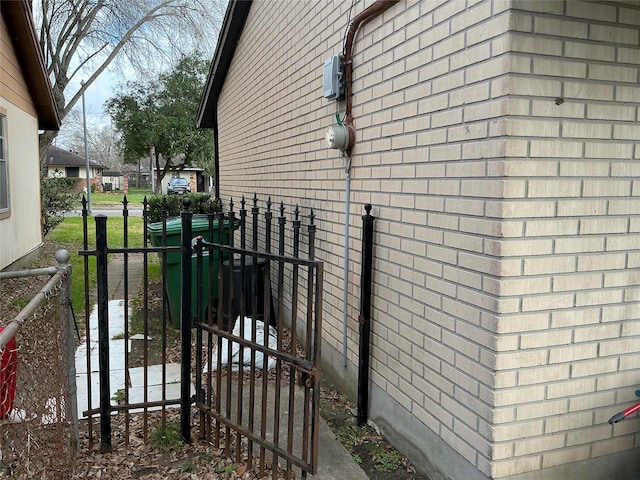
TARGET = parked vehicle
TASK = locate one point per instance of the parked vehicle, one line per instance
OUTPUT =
(178, 186)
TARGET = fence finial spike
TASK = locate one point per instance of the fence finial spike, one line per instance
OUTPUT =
(281, 208)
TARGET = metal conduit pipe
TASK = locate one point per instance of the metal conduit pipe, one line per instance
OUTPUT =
(345, 289)
(368, 13)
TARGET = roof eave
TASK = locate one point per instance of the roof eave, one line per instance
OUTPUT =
(235, 17)
(20, 24)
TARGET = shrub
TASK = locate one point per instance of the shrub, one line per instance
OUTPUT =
(56, 198)
(201, 203)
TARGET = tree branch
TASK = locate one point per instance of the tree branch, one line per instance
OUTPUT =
(150, 16)
(85, 37)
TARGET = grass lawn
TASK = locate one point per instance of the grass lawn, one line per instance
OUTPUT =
(69, 234)
(135, 197)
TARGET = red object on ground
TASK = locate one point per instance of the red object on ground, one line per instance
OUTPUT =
(8, 376)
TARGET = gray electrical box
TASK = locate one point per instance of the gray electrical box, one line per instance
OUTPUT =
(333, 79)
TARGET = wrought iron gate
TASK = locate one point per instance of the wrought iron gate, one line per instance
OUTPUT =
(263, 411)
(258, 353)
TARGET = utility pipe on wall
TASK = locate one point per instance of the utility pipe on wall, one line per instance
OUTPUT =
(368, 13)
(345, 299)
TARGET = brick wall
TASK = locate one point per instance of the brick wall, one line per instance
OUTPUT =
(569, 318)
(498, 147)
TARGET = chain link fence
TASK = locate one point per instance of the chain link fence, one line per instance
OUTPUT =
(38, 418)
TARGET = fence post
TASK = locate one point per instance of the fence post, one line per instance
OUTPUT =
(185, 326)
(364, 319)
(103, 333)
(63, 257)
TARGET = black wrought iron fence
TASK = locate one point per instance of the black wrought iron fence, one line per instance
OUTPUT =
(249, 284)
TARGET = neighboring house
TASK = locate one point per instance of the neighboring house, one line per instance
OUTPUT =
(115, 181)
(138, 175)
(191, 175)
(499, 144)
(194, 175)
(65, 163)
(26, 106)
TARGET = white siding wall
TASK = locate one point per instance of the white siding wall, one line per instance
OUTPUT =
(499, 149)
(21, 233)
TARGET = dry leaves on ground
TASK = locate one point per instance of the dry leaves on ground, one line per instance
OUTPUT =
(153, 460)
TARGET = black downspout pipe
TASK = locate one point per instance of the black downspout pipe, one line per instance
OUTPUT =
(365, 315)
(185, 326)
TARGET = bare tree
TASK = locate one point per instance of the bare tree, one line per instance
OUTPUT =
(81, 38)
(102, 140)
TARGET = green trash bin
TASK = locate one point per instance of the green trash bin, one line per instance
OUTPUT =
(173, 282)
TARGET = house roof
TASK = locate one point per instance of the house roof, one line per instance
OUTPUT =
(177, 163)
(23, 36)
(60, 157)
(236, 15)
(133, 169)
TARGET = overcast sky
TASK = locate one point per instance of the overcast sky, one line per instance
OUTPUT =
(95, 97)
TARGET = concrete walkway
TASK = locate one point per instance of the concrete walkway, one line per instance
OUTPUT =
(115, 277)
(334, 462)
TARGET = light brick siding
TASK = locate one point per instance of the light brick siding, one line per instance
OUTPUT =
(498, 143)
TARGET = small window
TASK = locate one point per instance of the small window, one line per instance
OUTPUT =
(73, 172)
(4, 170)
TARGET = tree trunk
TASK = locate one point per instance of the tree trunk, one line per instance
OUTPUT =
(161, 173)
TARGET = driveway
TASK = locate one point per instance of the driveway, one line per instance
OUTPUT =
(115, 211)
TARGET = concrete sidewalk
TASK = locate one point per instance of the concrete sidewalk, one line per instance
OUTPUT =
(334, 462)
